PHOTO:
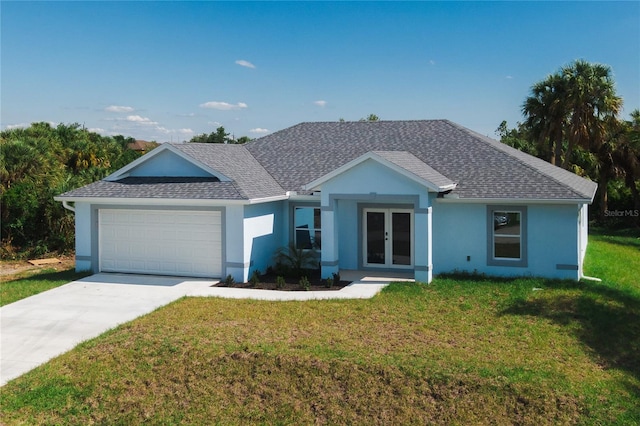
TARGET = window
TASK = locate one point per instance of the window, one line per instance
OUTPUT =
(506, 236)
(307, 228)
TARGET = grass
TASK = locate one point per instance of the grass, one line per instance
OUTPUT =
(25, 286)
(464, 350)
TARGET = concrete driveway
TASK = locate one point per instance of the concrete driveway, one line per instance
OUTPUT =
(41, 327)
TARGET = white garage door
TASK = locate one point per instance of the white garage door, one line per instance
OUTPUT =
(161, 242)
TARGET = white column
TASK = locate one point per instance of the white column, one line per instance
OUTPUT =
(422, 245)
(329, 258)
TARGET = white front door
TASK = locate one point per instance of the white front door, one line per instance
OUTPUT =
(387, 238)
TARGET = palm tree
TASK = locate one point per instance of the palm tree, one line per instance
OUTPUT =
(545, 113)
(590, 102)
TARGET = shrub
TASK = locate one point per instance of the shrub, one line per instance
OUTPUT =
(304, 283)
(296, 260)
(229, 281)
(328, 282)
(280, 282)
(336, 277)
(255, 278)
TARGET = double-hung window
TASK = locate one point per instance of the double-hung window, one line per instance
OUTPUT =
(307, 227)
(506, 236)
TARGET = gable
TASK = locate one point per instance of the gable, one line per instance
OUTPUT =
(167, 161)
(388, 166)
(168, 164)
(370, 176)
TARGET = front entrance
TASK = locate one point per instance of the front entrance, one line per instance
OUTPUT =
(387, 238)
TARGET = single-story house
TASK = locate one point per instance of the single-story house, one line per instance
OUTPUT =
(424, 197)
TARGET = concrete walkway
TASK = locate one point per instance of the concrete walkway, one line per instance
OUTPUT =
(41, 327)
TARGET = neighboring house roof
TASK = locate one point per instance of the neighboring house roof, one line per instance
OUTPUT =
(142, 146)
(441, 154)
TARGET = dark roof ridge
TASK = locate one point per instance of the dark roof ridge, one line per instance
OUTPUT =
(510, 151)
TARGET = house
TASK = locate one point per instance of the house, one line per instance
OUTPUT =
(424, 196)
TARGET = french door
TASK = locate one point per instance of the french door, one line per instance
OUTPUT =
(388, 238)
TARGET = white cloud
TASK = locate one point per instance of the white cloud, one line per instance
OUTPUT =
(259, 130)
(509, 77)
(17, 126)
(432, 62)
(245, 64)
(223, 106)
(140, 120)
(185, 131)
(321, 103)
(118, 108)
(96, 129)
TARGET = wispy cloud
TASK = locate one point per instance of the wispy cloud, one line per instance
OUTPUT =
(320, 103)
(509, 77)
(96, 130)
(245, 64)
(140, 120)
(17, 126)
(118, 108)
(259, 130)
(223, 106)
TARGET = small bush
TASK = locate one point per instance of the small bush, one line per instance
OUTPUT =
(229, 281)
(304, 283)
(255, 278)
(328, 282)
(336, 277)
(280, 282)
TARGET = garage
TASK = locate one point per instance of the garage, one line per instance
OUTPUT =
(160, 242)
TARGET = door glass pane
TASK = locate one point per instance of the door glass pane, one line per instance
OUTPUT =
(375, 238)
(401, 232)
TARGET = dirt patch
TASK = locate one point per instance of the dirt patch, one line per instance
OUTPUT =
(268, 282)
(11, 269)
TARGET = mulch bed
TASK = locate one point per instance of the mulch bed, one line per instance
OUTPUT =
(268, 282)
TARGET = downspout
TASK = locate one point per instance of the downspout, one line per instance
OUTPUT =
(69, 207)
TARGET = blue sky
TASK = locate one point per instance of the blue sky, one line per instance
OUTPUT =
(166, 71)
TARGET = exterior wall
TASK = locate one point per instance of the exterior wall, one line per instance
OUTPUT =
(264, 233)
(460, 241)
(583, 229)
(167, 163)
(83, 237)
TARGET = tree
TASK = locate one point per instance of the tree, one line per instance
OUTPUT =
(370, 117)
(572, 115)
(219, 136)
(572, 107)
(591, 104)
(39, 162)
(545, 113)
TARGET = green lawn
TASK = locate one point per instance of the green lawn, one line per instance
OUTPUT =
(14, 290)
(464, 350)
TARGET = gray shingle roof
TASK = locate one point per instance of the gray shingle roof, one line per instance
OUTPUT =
(235, 162)
(160, 187)
(414, 165)
(435, 150)
(481, 167)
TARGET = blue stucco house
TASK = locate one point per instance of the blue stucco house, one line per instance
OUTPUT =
(425, 197)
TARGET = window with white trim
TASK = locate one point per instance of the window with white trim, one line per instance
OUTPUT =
(506, 236)
(307, 227)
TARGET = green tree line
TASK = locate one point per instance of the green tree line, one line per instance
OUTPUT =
(40, 162)
(572, 119)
